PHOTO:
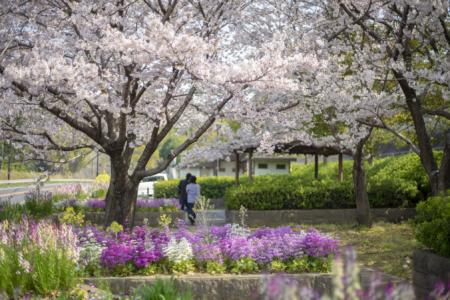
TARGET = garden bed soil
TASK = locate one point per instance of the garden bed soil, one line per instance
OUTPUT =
(316, 216)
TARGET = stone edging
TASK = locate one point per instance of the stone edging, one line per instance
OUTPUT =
(316, 216)
(235, 287)
(429, 268)
(214, 287)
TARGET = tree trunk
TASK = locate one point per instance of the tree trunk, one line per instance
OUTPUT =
(444, 171)
(125, 193)
(426, 148)
(120, 203)
(361, 196)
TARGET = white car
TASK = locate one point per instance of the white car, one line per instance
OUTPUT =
(146, 185)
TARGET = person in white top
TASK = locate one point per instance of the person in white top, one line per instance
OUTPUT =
(193, 193)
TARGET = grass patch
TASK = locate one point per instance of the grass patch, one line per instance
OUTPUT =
(22, 184)
(383, 247)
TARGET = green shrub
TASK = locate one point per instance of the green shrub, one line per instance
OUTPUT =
(286, 193)
(391, 182)
(166, 189)
(432, 224)
(212, 187)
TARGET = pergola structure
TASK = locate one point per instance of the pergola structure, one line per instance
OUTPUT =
(292, 148)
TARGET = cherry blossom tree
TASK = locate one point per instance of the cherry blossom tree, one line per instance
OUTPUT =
(382, 58)
(400, 48)
(110, 76)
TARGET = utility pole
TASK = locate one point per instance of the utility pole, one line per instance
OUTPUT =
(1, 162)
(97, 163)
(9, 160)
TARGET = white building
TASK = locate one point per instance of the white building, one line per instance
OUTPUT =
(270, 164)
(261, 166)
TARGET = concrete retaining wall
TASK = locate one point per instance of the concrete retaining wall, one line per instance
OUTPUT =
(218, 203)
(152, 217)
(316, 216)
(214, 287)
(429, 268)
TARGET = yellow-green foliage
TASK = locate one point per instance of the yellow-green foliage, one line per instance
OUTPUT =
(115, 227)
(164, 220)
(104, 177)
(72, 217)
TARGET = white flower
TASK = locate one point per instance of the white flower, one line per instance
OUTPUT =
(178, 251)
(237, 229)
(23, 263)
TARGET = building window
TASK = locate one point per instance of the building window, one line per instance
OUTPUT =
(281, 167)
(262, 166)
(221, 169)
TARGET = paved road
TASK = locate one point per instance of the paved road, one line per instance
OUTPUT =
(16, 194)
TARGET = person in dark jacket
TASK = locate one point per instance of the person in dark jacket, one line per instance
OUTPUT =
(182, 191)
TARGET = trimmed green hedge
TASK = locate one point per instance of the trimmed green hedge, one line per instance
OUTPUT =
(284, 193)
(391, 182)
(212, 187)
(432, 224)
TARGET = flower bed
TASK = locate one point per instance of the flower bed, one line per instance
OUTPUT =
(79, 191)
(37, 257)
(98, 205)
(215, 250)
(44, 258)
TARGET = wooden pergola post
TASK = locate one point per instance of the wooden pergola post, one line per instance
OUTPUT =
(341, 177)
(316, 166)
(250, 167)
(236, 170)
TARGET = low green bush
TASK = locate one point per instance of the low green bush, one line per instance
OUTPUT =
(212, 187)
(166, 189)
(283, 192)
(391, 182)
(432, 224)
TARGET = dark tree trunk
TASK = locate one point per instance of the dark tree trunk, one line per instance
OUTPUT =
(426, 149)
(444, 171)
(120, 204)
(361, 196)
(125, 196)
